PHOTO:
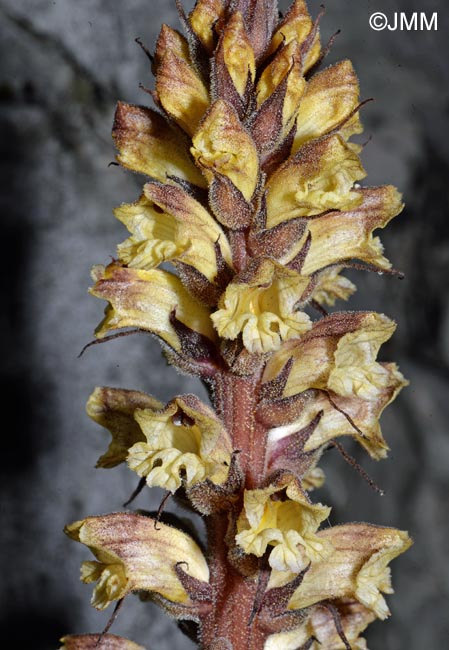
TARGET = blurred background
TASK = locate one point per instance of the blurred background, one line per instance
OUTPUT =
(63, 66)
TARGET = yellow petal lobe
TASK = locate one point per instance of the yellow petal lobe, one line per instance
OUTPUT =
(263, 308)
(288, 525)
(348, 234)
(356, 569)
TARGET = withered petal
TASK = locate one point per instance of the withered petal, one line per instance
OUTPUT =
(149, 145)
(181, 92)
(113, 409)
(145, 299)
(147, 553)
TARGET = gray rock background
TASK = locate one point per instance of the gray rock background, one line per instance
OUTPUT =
(63, 65)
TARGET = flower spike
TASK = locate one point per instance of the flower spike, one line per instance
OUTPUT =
(250, 211)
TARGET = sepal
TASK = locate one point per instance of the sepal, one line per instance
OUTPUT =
(210, 498)
(260, 19)
(318, 629)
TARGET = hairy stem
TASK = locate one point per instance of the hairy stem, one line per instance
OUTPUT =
(231, 621)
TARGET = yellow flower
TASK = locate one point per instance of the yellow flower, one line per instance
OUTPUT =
(262, 307)
(221, 145)
(338, 356)
(356, 371)
(147, 144)
(339, 353)
(348, 234)
(288, 525)
(167, 224)
(185, 444)
(146, 299)
(357, 567)
(133, 554)
(329, 98)
(318, 178)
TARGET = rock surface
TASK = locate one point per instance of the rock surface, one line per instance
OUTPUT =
(64, 64)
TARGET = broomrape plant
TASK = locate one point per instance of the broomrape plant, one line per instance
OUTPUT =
(252, 197)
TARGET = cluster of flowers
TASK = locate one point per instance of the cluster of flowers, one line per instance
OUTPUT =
(254, 201)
